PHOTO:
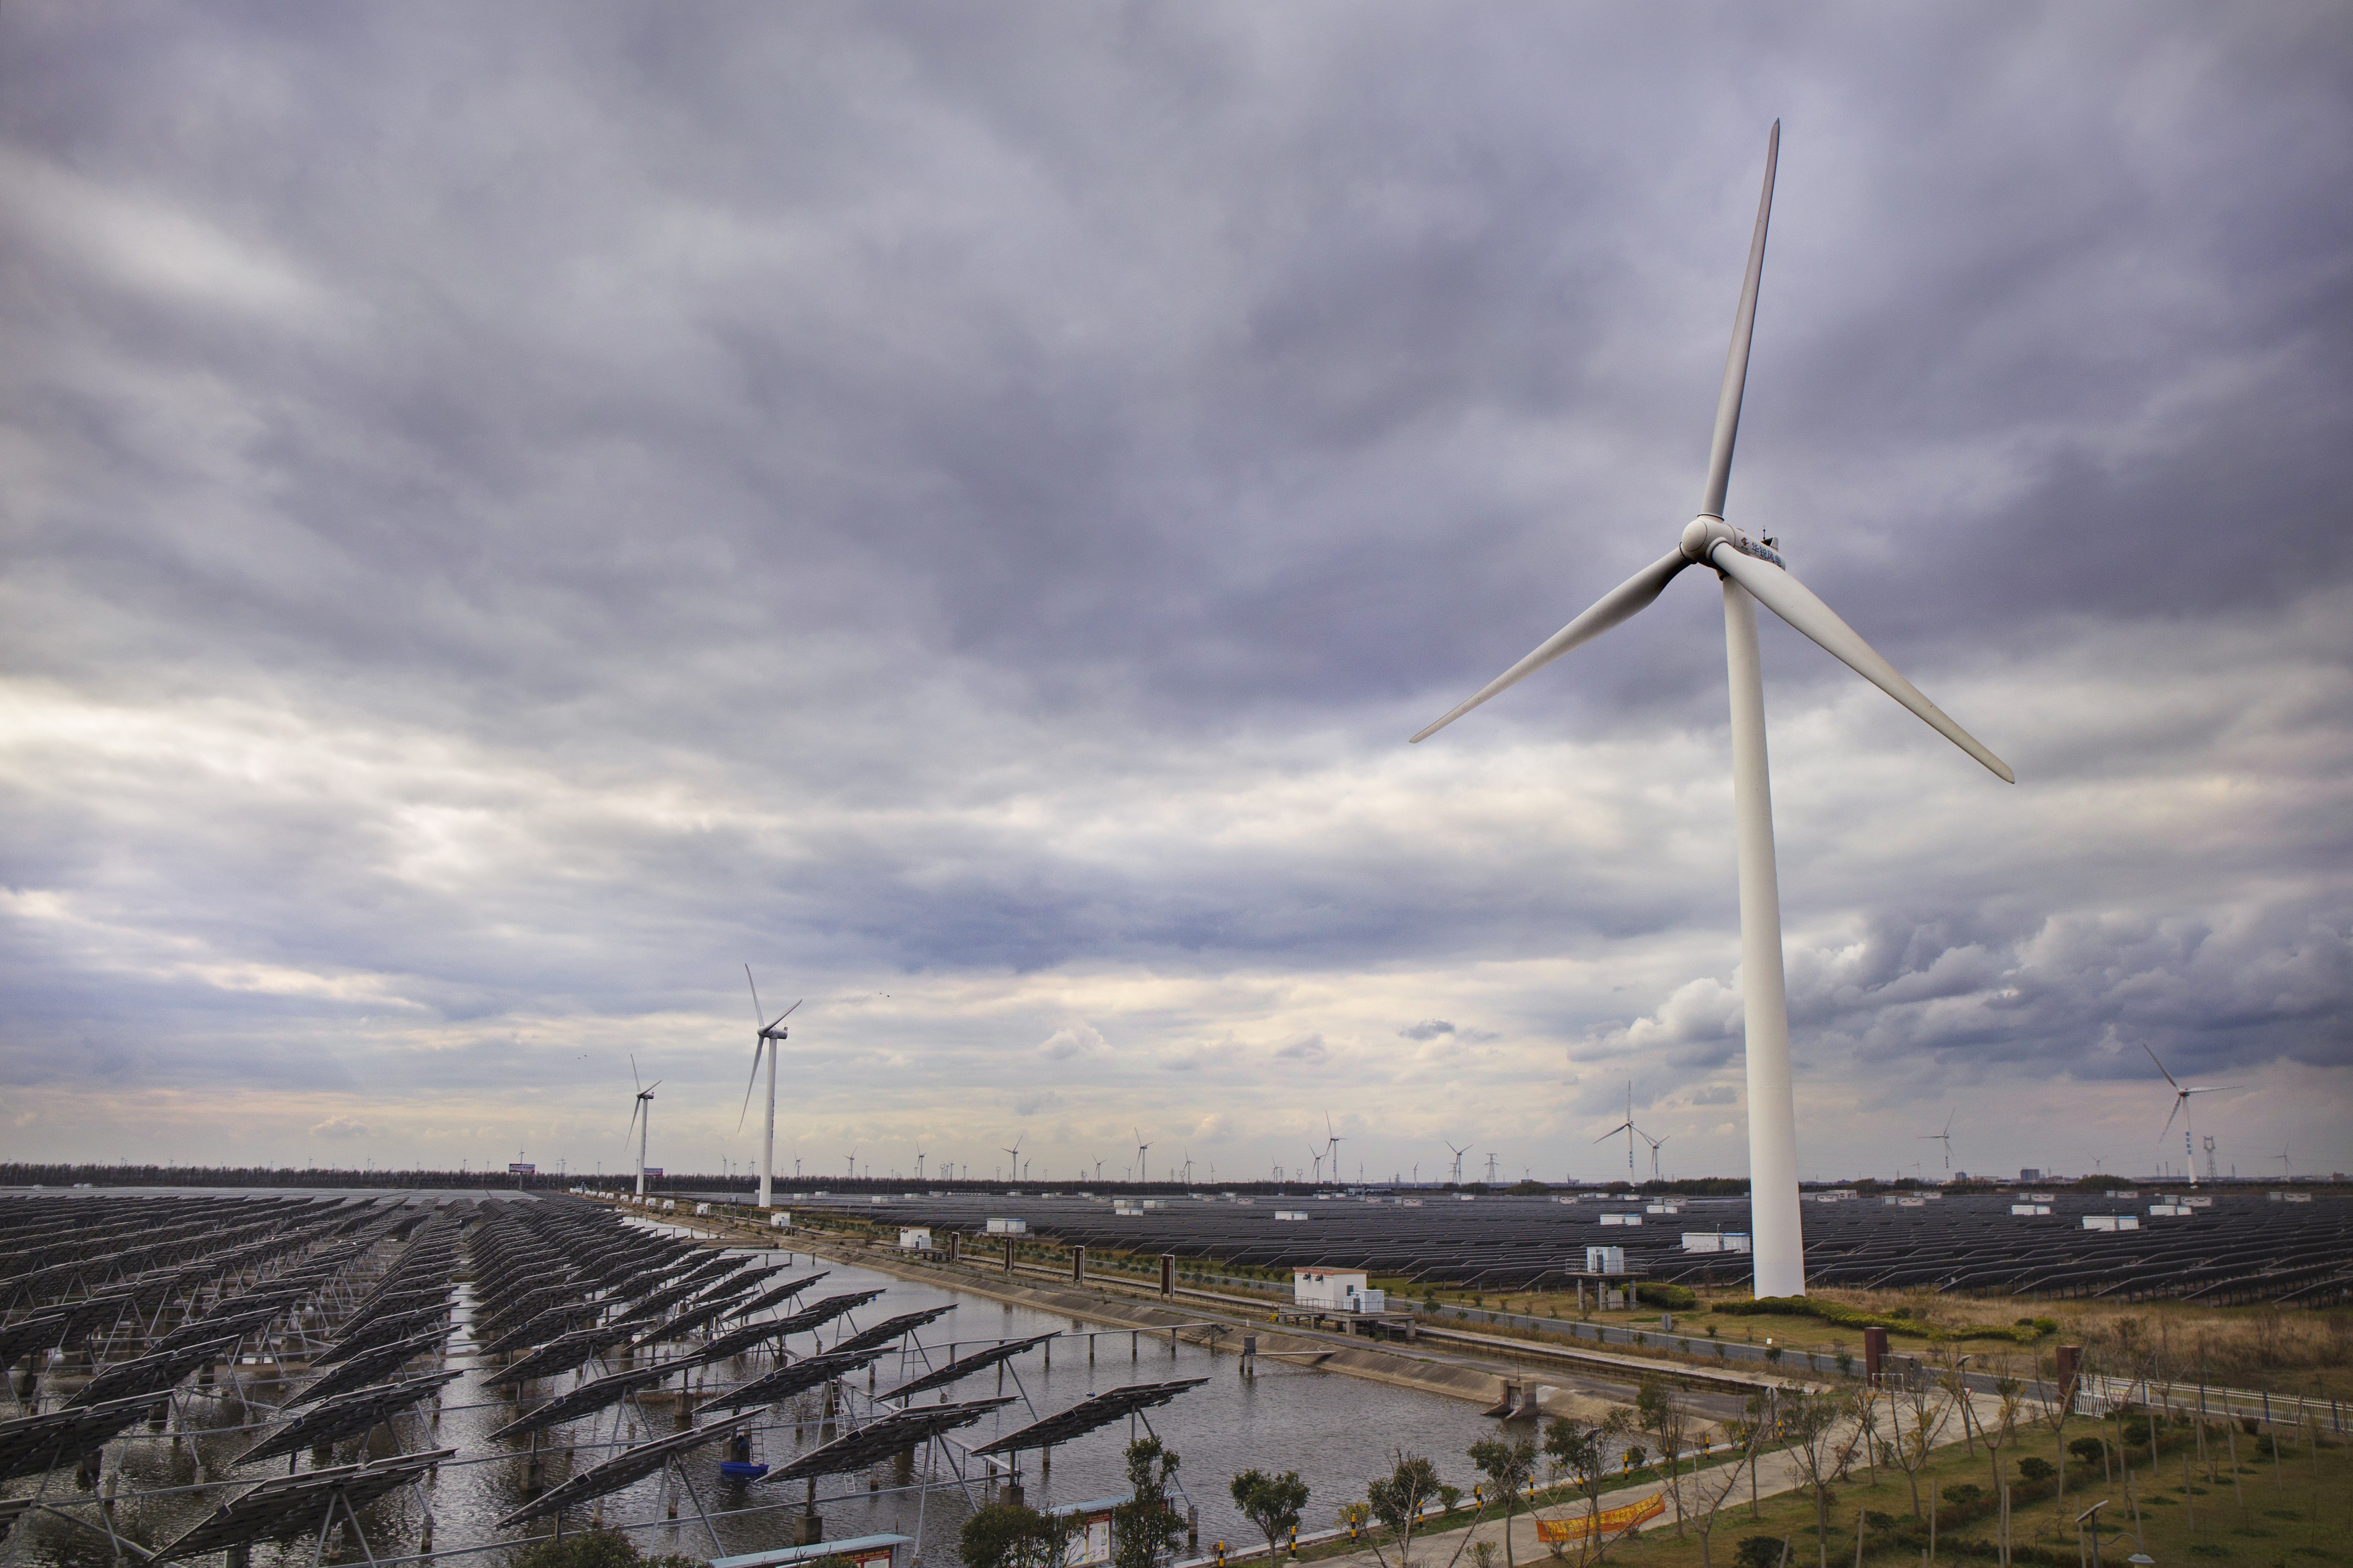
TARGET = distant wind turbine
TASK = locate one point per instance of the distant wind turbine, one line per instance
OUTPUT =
(1458, 1154)
(1143, 1170)
(2182, 1109)
(768, 1038)
(1628, 1128)
(641, 1119)
(1946, 1138)
(1751, 571)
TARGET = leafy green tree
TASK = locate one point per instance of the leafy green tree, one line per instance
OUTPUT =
(1145, 1528)
(1509, 1464)
(1001, 1535)
(592, 1548)
(1273, 1504)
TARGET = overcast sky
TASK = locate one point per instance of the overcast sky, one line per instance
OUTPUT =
(514, 512)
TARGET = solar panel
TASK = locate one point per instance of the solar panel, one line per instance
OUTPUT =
(1097, 1410)
(685, 1323)
(965, 1366)
(367, 1366)
(880, 1438)
(884, 1332)
(346, 1416)
(32, 1444)
(768, 1298)
(545, 1327)
(628, 1465)
(563, 1354)
(587, 1399)
(380, 1330)
(284, 1507)
(787, 1381)
(824, 1311)
(149, 1374)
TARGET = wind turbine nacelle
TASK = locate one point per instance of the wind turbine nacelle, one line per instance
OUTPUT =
(1703, 533)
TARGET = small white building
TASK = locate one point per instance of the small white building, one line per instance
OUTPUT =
(2111, 1222)
(702, 1209)
(1621, 1219)
(1289, 1215)
(1009, 1228)
(915, 1239)
(1605, 1260)
(781, 1219)
(1335, 1291)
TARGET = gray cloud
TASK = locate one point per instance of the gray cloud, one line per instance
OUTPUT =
(511, 515)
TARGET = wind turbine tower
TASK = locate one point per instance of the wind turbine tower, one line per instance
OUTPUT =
(768, 1038)
(641, 1119)
(1458, 1154)
(1143, 1171)
(1751, 571)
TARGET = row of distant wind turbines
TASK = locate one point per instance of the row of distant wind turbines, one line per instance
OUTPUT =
(770, 1033)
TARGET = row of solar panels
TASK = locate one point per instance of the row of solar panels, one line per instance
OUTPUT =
(2244, 1249)
(649, 1290)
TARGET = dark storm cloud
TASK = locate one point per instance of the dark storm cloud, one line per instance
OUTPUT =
(503, 506)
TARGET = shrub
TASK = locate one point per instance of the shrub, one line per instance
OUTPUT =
(1759, 1552)
(2088, 1449)
(594, 1548)
(1960, 1494)
(1672, 1297)
(2036, 1468)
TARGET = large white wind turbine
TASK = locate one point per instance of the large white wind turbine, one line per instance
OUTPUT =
(642, 1117)
(1751, 571)
(1458, 1154)
(2182, 1109)
(768, 1038)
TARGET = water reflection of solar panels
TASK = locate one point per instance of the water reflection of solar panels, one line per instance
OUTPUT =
(346, 1416)
(287, 1506)
(585, 1400)
(1087, 1414)
(786, 1381)
(878, 1439)
(965, 1366)
(32, 1444)
(628, 1466)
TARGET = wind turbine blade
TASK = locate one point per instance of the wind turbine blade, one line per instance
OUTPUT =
(633, 1079)
(2170, 1115)
(1619, 604)
(758, 1047)
(2160, 1067)
(787, 1013)
(1796, 604)
(758, 1012)
(1744, 326)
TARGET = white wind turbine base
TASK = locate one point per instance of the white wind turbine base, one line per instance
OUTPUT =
(1751, 571)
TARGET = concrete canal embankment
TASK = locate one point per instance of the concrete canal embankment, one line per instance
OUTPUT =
(1489, 1372)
